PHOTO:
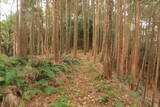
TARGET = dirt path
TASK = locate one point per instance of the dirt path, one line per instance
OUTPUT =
(84, 83)
(83, 88)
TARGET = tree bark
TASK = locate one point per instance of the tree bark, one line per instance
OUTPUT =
(135, 47)
(75, 29)
(22, 38)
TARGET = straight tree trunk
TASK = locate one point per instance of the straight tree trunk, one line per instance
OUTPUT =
(84, 27)
(96, 31)
(22, 38)
(107, 23)
(56, 33)
(93, 31)
(75, 29)
(107, 58)
(135, 47)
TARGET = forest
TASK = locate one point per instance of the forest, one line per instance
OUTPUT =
(80, 53)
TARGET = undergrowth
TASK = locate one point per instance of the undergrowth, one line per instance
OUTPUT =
(32, 78)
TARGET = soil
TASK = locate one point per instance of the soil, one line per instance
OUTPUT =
(81, 87)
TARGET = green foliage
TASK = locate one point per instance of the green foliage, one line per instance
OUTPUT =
(111, 94)
(98, 76)
(6, 28)
(133, 105)
(48, 70)
(64, 67)
(21, 83)
(28, 94)
(42, 64)
(12, 71)
(63, 98)
(59, 104)
(43, 83)
(62, 104)
(50, 90)
(4, 59)
(103, 98)
(124, 79)
(135, 95)
(102, 86)
(18, 60)
(92, 67)
(44, 69)
(21, 105)
(119, 104)
(11, 61)
(109, 87)
(11, 74)
(70, 60)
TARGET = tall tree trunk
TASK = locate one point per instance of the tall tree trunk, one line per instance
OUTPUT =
(96, 31)
(135, 47)
(56, 33)
(22, 38)
(123, 53)
(120, 37)
(107, 58)
(93, 30)
(75, 29)
(67, 27)
(107, 23)
(84, 26)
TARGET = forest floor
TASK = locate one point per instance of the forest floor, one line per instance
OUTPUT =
(85, 87)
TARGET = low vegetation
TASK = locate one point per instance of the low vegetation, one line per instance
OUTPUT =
(27, 78)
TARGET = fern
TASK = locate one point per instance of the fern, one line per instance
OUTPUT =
(50, 90)
(59, 104)
(43, 83)
(62, 104)
(64, 67)
(104, 98)
(12, 61)
(70, 61)
(18, 60)
(20, 82)
(119, 104)
(11, 74)
(63, 98)
(4, 59)
(28, 94)
(135, 95)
